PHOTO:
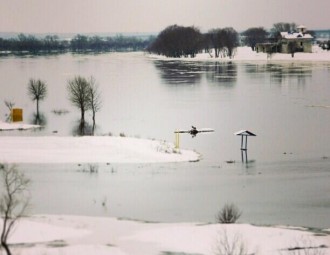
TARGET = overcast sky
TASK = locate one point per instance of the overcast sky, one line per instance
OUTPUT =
(121, 16)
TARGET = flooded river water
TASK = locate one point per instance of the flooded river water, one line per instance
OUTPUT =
(285, 179)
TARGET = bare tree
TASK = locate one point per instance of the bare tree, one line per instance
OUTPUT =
(223, 40)
(79, 95)
(292, 47)
(37, 90)
(282, 27)
(216, 39)
(13, 201)
(227, 244)
(94, 99)
(255, 35)
(177, 41)
(230, 40)
(10, 105)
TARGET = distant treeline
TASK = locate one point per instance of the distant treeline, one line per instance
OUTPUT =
(179, 41)
(79, 43)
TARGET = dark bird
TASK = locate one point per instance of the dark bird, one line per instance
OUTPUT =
(194, 131)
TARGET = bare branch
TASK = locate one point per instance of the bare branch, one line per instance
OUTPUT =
(14, 200)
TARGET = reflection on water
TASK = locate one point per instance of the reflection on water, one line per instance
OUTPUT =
(222, 73)
(179, 72)
(39, 119)
(283, 73)
(225, 73)
(82, 128)
(290, 74)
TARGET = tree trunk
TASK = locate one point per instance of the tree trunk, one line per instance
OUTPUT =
(38, 116)
(6, 247)
(93, 123)
(37, 107)
(4, 237)
(82, 122)
(216, 50)
(4, 234)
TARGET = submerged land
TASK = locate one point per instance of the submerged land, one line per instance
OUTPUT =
(63, 234)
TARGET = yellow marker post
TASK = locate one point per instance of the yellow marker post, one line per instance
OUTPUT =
(177, 140)
(16, 115)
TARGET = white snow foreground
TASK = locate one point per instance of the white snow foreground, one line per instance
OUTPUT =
(67, 235)
(89, 149)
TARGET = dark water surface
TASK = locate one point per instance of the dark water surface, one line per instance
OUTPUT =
(286, 179)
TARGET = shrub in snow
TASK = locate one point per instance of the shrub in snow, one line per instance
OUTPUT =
(90, 168)
(229, 214)
(93, 168)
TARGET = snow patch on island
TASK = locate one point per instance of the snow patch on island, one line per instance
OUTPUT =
(89, 149)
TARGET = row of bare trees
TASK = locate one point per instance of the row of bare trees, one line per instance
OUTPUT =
(14, 196)
(178, 41)
(222, 41)
(83, 94)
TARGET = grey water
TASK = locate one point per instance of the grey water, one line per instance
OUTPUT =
(283, 179)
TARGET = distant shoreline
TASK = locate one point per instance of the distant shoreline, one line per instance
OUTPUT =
(245, 54)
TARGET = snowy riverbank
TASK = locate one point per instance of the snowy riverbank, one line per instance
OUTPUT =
(66, 235)
(246, 54)
(86, 149)
(89, 149)
(4, 126)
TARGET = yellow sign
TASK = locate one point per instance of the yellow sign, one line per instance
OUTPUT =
(17, 114)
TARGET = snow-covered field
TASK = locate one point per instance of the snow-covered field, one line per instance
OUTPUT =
(87, 149)
(4, 126)
(67, 235)
(97, 149)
